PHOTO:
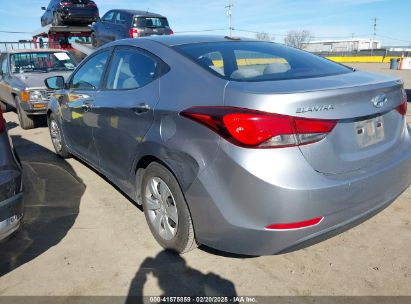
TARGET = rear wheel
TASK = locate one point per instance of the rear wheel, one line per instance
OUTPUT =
(57, 137)
(26, 122)
(166, 210)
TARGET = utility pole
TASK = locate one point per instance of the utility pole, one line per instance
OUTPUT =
(230, 14)
(374, 36)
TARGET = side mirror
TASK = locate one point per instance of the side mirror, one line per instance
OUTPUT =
(43, 8)
(55, 83)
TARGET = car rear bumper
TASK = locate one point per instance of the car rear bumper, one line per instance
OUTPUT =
(11, 214)
(233, 201)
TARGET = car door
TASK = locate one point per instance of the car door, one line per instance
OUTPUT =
(121, 26)
(5, 89)
(105, 32)
(124, 109)
(78, 120)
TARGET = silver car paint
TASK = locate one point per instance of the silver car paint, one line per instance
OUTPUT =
(233, 192)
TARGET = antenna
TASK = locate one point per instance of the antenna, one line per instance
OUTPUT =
(230, 15)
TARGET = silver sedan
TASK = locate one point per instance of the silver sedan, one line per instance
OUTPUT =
(245, 146)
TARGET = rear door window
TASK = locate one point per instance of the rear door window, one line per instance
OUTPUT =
(121, 18)
(261, 61)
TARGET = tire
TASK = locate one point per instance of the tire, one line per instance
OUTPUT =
(57, 137)
(166, 210)
(56, 20)
(26, 122)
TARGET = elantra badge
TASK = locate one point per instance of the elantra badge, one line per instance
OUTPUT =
(315, 109)
(379, 101)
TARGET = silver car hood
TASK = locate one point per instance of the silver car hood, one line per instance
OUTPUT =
(36, 80)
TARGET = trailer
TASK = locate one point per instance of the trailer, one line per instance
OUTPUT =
(76, 39)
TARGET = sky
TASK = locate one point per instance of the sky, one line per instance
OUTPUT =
(325, 19)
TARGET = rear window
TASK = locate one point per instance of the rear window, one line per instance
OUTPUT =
(77, 1)
(150, 22)
(259, 61)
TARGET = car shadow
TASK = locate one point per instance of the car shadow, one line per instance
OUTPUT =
(52, 194)
(176, 278)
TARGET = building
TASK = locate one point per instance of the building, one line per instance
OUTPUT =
(345, 45)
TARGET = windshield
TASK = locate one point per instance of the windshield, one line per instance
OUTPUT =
(259, 61)
(41, 62)
(150, 22)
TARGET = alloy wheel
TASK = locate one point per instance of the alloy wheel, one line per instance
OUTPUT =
(162, 208)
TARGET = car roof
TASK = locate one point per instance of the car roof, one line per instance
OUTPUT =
(173, 40)
(139, 13)
(17, 51)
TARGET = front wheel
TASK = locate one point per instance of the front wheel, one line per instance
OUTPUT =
(26, 122)
(57, 137)
(166, 210)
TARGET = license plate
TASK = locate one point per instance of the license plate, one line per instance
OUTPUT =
(370, 132)
(81, 5)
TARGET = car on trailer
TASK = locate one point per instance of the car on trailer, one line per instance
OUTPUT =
(120, 24)
(22, 75)
(11, 189)
(69, 12)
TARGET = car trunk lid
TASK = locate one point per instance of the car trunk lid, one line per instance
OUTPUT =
(369, 127)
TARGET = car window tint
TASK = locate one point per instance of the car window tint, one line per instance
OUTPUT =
(152, 22)
(108, 17)
(89, 76)
(212, 60)
(131, 69)
(259, 63)
(262, 61)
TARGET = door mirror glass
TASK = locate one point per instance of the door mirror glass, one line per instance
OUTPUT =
(55, 83)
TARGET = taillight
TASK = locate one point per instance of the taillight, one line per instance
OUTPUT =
(66, 4)
(256, 129)
(402, 108)
(91, 4)
(171, 32)
(2, 123)
(133, 33)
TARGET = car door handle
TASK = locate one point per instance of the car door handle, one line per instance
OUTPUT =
(141, 109)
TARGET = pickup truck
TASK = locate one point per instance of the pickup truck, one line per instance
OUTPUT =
(22, 75)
